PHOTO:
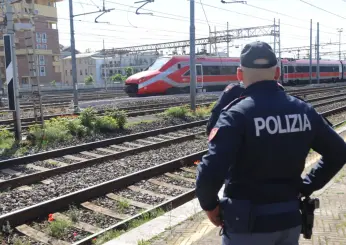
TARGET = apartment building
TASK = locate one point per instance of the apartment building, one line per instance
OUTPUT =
(45, 42)
(86, 66)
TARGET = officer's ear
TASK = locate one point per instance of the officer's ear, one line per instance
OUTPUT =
(240, 74)
(277, 73)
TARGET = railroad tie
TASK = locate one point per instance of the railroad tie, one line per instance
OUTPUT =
(146, 141)
(90, 154)
(70, 157)
(130, 201)
(107, 151)
(166, 136)
(150, 193)
(39, 236)
(133, 144)
(156, 138)
(120, 147)
(175, 176)
(55, 162)
(79, 225)
(188, 170)
(10, 172)
(38, 168)
(168, 185)
(105, 211)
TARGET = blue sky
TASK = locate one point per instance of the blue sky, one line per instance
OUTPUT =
(170, 22)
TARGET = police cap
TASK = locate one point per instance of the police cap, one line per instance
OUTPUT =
(257, 50)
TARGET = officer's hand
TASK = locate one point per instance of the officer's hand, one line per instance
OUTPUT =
(214, 216)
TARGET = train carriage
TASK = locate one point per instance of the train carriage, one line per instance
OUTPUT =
(171, 74)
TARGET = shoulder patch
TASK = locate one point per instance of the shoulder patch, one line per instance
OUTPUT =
(229, 87)
(280, 86)
(212, 134)
(234, 102)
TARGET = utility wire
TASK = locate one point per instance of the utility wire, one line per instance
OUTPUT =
(323, 10)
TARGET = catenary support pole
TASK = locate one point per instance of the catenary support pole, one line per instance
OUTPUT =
(11, 71)
(310, 54)
(73, 59)
(192, 56)
(274, 36)
(318, 53)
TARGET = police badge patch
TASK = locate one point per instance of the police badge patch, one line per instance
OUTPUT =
(213, 133)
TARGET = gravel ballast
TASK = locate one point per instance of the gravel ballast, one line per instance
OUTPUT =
(82, 178)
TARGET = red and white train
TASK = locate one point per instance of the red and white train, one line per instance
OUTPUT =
(171, 74)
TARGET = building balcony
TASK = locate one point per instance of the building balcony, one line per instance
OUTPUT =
(23, 10)
(24, 52)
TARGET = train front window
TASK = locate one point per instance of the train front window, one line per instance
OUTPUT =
(158, 64)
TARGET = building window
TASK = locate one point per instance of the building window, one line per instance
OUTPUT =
(44, 37)
(38, 46)
(42, 60)
(81, 72)
(80, 61)
(86, 72)
(42, 71)
(38, 37)
(44, 46)
(65, 72)
(70, 72)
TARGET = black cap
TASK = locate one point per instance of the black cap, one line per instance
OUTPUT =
(257, 50)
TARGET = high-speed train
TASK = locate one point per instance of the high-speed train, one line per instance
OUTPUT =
(171, 74)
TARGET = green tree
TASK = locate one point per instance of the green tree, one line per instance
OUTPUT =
(129, 71)
(89, 80)
(117, 78)
(53, 83)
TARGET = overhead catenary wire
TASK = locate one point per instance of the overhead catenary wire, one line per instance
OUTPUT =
(312, 5)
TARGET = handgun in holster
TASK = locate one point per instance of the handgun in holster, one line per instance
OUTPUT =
(307, 207)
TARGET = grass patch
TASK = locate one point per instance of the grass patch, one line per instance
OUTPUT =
(19, 242)
(6, 139)
(58, 228)
(142, 242)
(122, 205)
(63, 129)
(184, 112)
(133, 224)
(73, 214)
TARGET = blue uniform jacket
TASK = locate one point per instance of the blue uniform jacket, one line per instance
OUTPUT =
(258, 149)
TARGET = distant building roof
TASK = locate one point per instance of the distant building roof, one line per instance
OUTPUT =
(67, 49)
(84, 55)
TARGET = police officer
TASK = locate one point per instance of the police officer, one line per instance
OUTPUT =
(231, 92)
(258, 149)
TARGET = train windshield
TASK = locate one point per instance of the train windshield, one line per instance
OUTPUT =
(158, 64)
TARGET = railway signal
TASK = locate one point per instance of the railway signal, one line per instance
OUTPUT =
(11, 69)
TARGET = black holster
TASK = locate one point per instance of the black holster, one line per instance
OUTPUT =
(307, 207)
